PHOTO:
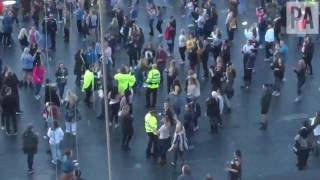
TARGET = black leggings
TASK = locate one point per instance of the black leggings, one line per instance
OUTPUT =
(113, 115)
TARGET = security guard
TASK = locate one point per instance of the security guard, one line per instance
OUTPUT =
(151, 126)
(153, 83)
(88, 84)
(124, 80)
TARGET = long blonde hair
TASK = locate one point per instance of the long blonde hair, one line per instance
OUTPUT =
(71, 97)
(23, 32)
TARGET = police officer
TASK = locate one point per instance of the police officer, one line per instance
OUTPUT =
(88, 84)
(151, 126)
(124, 80)
(153, 83)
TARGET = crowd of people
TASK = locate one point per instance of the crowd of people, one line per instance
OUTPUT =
(202, 54)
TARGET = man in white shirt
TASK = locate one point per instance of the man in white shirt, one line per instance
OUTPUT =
(269, 39)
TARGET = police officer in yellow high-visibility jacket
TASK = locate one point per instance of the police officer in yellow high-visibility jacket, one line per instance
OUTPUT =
(124, 80)
(151, 128)
(88, 84)
(153, 83)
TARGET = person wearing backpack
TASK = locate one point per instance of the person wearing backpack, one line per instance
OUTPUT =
(302, 147)
(30, 146)
(179, 143)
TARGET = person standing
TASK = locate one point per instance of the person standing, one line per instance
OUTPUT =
(37, 79)
(231, 24)
(55, 135)
(52, 28)
(88, 85)
(30, 146)
(265, 104)
(301, 76)
(179, 143)
(61, 79)
(151, 128)
(9, 109)
(151, 10)
(188, 123)
(153, 84)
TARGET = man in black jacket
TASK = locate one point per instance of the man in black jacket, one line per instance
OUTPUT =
(265, 104)
(9, 109)
(50, 27)
(30, 146)
(213, 111)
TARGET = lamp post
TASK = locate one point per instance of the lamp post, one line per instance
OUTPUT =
(102, 5)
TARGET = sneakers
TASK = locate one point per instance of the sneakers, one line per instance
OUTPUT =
(173, 164)
(30, 171)
(276, 93)
(196, 128)
(267, 59)
(37, 97)
(54, 162)
(2, 128)
(116, 125)
(297, 99)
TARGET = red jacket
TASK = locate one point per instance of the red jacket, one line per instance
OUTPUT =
(38, 75)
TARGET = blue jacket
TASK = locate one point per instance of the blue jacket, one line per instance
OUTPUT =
(7, 23)
(79, 14)
(27, 61)
(90, 57)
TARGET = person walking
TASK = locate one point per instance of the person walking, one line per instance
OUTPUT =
(278, 72)
(265, 104)
(72, 113)
(302, 148)
(30, 143)
(164, 139)
(188, 123)
(9, 109)
(52, 29)
(61, 79)
(79, 65)
(37, 79)
(213, 111)
(269, 39)
(179, 144)
(235, 169)
(307, 51)
(182, 43)
(127, 127)
(68, 166)
(27, 66)
(7, 28)
(151, 127)
(55, 135)
(153, 84)
(301, 76)
(186, 173)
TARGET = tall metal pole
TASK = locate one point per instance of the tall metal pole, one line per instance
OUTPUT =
(104, 72)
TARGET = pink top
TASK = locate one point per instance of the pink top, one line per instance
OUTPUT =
(38, 75)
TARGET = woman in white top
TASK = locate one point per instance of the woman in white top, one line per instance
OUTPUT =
(182, 45)
(114, 105)
(55, 135)
(179, 143)
(193, 89)
(164, 139)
